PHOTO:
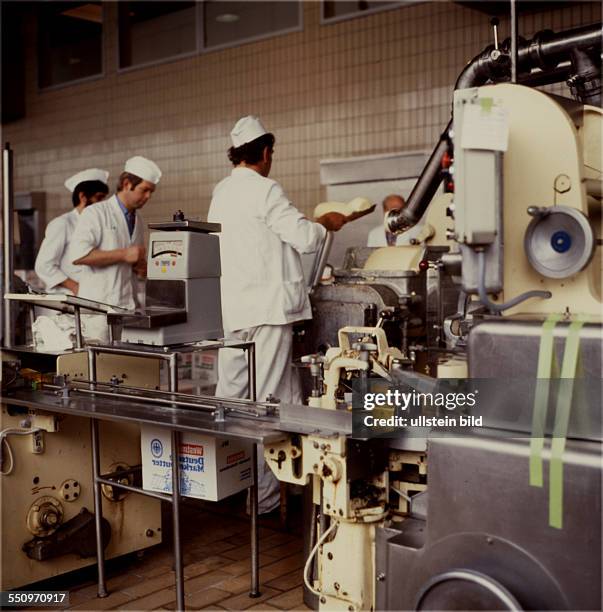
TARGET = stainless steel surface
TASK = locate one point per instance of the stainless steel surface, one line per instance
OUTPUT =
(64, 303)
(187, 225)
(148, 318)
(559, 241)
(262, 430)
(505, 352)
(8, 241)
(471, 525)
(295, 418)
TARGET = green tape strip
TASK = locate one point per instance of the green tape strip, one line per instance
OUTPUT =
(486, 104)
(562, 416)
(547, 366)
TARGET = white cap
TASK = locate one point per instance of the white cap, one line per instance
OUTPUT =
(91, 174)
(143, 168)
(247, 129)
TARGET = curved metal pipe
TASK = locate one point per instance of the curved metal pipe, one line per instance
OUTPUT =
(546, 50)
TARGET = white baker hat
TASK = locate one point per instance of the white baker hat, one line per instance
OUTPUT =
(247, 129)
(90, 174)
(143, 168)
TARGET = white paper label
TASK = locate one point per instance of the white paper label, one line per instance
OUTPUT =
(485, 126)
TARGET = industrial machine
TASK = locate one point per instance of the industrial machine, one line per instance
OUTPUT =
(182, 297)
(506, 515)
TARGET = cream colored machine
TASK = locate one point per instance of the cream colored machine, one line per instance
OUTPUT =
(526, 220)
(46, 481)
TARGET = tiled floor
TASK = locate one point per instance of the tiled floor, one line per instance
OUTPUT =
(217, 566)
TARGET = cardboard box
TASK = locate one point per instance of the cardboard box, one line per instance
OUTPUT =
(205, 367)
(210, 468)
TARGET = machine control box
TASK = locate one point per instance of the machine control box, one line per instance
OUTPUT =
(175, 256)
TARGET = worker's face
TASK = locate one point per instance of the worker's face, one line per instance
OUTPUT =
(137, 197)
(393, 203)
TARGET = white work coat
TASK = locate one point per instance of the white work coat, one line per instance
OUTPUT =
(262, 237)
(53, 266)
(103, 226)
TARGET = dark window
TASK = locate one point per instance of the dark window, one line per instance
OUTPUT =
(336, 10)
(153, 31)
(70, 41)
(229, 23)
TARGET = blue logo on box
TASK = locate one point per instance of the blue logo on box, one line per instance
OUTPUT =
(156, 447)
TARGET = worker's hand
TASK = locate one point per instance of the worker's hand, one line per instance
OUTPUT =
(332, 221)
(140, 269)
(72, 285)
(134, 254)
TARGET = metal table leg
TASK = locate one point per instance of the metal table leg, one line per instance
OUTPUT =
(176, 521)
(255, 542)
(79, 340)
(98, 510)
(173, 384)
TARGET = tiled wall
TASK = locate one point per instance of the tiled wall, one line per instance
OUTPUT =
(375, 84)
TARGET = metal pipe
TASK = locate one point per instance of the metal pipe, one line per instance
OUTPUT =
(513, 41)
(545, 51)
(92, 369)
(119, 485)
(255, 539)
(201, 400)
(98, 509)
(8, 240)
(252, 372)
(176, 520)
(424, 190)
(79, 341)
(173, 372)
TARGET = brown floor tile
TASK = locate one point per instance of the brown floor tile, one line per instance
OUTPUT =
(243, 601)
(113, 600)
(150, 602)
(86, 593)
(287, 581)
(262, 606)
(152, 585)
(204, 581)
(205, 598)
(289, 600)
(206, 565)
(236, 584)
(285, 550)
(284, 566)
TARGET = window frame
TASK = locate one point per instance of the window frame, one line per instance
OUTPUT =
(250, 39)
(82, 80)
(357, 14)
(163, 60)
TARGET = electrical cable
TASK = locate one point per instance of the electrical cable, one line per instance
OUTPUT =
(11, 431)
(492, 306)
(319, 543)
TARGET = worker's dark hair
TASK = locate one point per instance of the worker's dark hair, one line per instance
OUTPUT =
(88, 188)
(251, 152)
(126, 176)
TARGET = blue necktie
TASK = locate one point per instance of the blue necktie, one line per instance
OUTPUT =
(131, 219)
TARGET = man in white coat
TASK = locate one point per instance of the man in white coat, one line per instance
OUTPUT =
(263, 288)
(52, 266)
(108, 241)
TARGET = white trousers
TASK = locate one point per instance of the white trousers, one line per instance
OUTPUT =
(274, 375)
